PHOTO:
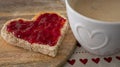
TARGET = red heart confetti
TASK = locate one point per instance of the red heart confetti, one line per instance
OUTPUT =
(71, 61)
(108, 59)
(84, 61)
(96, 60)
(118, 57)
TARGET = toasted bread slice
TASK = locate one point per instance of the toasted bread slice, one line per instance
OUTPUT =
(36, 47)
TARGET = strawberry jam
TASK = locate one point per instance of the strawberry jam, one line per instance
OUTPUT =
(44, 30)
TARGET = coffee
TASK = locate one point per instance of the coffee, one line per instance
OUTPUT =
(105, 10)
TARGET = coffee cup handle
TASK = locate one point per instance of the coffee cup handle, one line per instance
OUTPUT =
(91, 35)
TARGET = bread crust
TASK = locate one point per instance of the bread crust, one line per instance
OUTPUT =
(44, 49)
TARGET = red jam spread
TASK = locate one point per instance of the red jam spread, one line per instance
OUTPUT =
(44, 30)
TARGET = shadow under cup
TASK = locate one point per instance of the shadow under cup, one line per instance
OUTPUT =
(97, 36)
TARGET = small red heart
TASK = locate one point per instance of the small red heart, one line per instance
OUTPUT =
(96, 60)
(71, 61)
(118, 57)
(108, 59)
(84, 61)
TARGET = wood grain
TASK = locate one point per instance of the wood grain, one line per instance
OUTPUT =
(11, 56)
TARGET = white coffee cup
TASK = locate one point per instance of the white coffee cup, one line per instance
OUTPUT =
(96, 36)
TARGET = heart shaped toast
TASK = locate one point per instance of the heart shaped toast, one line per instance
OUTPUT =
(43, 33)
